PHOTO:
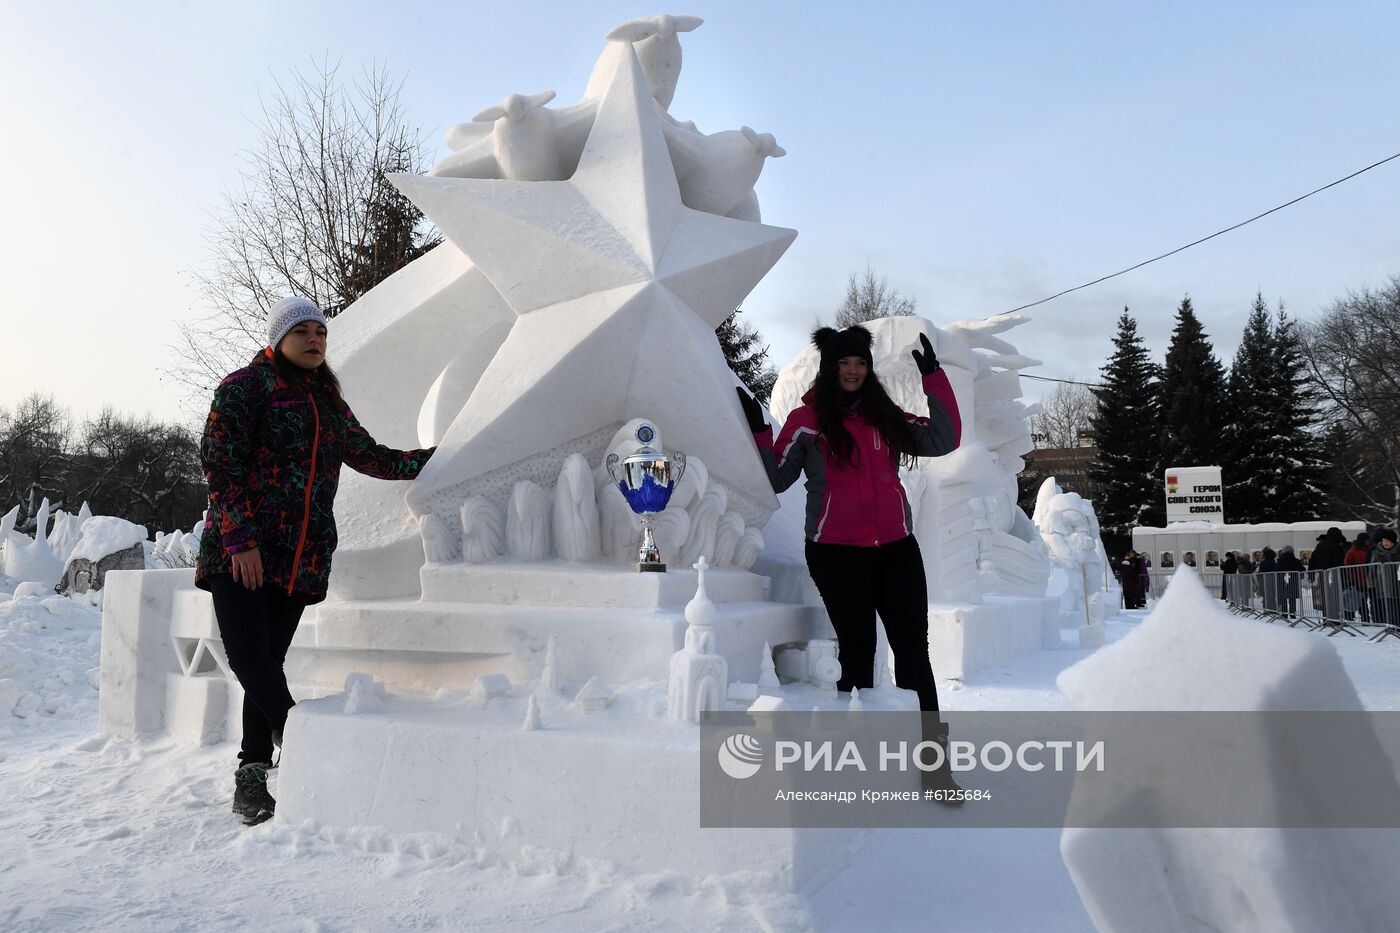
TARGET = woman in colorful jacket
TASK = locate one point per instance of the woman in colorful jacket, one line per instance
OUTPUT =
(277, 434)
(849, 438)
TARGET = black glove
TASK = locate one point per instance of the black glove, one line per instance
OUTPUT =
(926, 361)
(752, 410)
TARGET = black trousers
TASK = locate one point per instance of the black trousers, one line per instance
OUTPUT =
(257, 627)
(856, 584)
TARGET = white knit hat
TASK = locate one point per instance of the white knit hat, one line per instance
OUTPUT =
(288, 313)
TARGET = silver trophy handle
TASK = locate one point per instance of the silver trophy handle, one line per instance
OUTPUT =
(678, 458)
(612, 463)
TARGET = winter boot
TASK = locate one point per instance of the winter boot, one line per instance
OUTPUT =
(941, 778)
(251, 800)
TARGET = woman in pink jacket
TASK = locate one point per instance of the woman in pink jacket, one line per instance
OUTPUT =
(849, 439)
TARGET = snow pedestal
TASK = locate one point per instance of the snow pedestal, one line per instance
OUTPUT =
(1190, 654)
(620, 785)
(497, 618)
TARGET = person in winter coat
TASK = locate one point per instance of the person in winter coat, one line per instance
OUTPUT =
(1227, 574)
(849, 439)
(1387, 558)
(1266, 580)
(277, 433)
(1326, 558)
(1356, 585)
(1130, 577)
(1290, 570)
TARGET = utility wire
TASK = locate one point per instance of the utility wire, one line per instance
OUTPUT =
(1212, 236)
(1069, 382)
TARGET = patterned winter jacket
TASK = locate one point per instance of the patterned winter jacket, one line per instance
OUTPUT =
(272, 454)
(860, 503)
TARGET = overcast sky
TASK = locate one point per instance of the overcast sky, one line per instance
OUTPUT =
(980, 155)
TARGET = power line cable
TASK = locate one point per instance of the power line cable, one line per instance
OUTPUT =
(1203, 239)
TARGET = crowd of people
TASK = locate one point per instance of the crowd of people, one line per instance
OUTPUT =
(1357, 580)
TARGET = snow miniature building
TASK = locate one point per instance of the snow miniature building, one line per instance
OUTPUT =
(699, 675)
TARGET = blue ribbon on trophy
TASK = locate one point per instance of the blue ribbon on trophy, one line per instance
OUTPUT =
(646, 480)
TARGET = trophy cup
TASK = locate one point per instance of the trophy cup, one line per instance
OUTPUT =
(646, 480)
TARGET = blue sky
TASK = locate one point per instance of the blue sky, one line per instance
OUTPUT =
(980, 155)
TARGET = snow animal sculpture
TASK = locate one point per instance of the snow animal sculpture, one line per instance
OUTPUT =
(658, 48)
(974, 538)
(449, 318)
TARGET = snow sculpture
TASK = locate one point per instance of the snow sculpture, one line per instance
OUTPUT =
(550, 679)
(704, 523)
(699, 674)
(522, 138)
(527, 522)
(749, 547)
(439, 543)
(1070, 529)
(729, 531)
(532, 716)
(594, 696)
(31, 561)
(501, 339)
(657, 46)
(855, 705)
(726, 167)
(1191, 654)
(575, 511)
(490, 687)
(363, 694)
(767, 676)
(483, 530)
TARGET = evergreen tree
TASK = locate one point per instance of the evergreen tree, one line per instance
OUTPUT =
(1193, 387)
(1254, 461)
(1302, 492)
(748, 359)
(1274, 465)
(1127, 471)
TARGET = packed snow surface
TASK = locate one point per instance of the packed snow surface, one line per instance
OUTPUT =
(138, 835)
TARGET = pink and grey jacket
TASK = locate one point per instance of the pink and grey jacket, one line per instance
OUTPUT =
(860, 503)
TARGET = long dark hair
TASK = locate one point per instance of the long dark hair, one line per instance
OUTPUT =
(876, 407)
(322, 380)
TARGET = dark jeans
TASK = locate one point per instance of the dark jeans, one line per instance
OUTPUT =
(257, 627)
(856, 583)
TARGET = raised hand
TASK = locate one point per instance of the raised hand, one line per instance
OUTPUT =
(752, 410)
(926, 361)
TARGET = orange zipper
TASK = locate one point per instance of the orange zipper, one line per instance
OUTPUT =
(310, 479)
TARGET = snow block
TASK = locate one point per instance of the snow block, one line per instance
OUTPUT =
(196, 708)
(136, 655)
(965, 638)
(1191, 654)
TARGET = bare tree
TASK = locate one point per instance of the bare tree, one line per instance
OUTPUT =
(869, 297)
(34, 454)
(313, 214)
(140, 469)
(1066, 413)
(1351, 352)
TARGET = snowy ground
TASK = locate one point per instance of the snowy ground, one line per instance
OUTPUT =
(100, 833)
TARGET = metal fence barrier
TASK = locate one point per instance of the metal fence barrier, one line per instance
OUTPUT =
(1338, 600)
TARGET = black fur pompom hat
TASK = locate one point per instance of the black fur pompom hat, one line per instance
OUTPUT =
(836, 344)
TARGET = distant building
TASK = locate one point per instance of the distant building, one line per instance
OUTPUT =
(1069, 465)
